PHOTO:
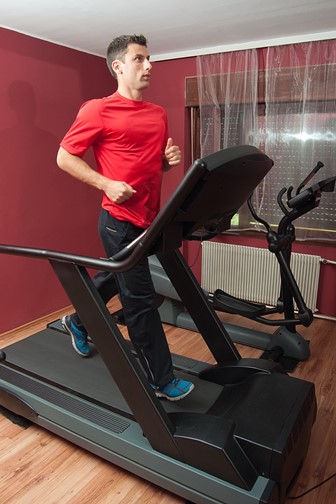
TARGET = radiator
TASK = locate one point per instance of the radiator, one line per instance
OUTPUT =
(253, 274)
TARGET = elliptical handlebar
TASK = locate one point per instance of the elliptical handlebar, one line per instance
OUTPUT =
(302, 202)
(310, 176)
(313, 193)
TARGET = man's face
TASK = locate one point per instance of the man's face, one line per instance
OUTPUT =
(134, 70)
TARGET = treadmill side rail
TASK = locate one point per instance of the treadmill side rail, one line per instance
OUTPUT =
(117, 357)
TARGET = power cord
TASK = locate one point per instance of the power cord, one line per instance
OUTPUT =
(312, 488)
(197, 255)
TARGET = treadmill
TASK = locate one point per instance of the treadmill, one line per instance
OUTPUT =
(240, 437)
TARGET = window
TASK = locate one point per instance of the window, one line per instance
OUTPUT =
(282, 100)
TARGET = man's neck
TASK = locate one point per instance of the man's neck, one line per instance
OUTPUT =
(131, 94)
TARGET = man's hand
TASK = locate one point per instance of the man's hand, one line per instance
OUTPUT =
(172, 154)
(118, 192)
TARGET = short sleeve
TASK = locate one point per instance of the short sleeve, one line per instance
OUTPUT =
(85, 130)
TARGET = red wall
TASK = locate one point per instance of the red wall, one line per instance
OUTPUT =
(168, 89)
(41, 88)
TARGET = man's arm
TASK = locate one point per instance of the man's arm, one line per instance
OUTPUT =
(116, 191)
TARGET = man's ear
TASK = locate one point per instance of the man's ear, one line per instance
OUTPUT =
(116, 66)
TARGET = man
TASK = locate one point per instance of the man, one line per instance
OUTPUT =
(132, 149)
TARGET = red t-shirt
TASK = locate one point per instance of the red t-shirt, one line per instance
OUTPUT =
(128, 139)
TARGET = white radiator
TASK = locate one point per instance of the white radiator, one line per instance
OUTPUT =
(252, 273)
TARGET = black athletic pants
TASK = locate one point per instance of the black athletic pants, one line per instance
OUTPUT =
(137, 295)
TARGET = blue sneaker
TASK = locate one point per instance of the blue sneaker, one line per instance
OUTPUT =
(175, 390)
(79, 338)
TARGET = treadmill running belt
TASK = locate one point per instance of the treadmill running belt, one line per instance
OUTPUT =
(48, 354)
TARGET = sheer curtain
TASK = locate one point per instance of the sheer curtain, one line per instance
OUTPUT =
(283, 101)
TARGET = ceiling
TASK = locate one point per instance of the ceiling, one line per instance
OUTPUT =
(174, 28)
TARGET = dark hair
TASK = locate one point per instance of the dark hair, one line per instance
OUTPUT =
(118, 47)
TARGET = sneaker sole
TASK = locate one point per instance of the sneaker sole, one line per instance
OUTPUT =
(162, 395)
(68, 330)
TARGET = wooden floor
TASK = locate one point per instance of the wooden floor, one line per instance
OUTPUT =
(39, 467)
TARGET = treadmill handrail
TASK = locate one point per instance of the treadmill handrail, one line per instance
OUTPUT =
(132, 253)
(175, 207)
(80, 260)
